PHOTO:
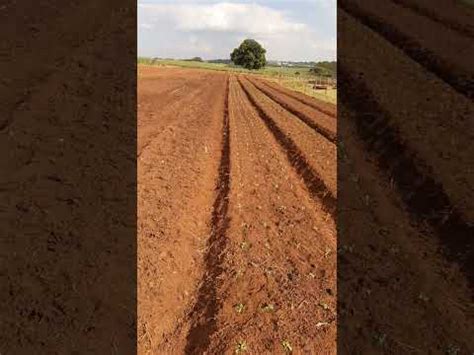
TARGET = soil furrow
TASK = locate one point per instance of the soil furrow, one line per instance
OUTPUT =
(407, 291)
(421, 106)
(278, 237)
(425, 198)
(459, 79)
(312, 180)
(207, 304)
(319, 153)
(177, 174)
(326, 133)
(464, 29)
(299, 97)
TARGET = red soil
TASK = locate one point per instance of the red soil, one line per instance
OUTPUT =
(325, 107)
(237, 241)
(317, 120)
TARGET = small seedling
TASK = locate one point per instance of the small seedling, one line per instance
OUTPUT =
(323, 306)
(244, 245)
(452, 350)
(379, 339)
(345, 249)
(423, 297)
(240, 272)
(267, 308)
(394, 250)
(245, 228)
(287, 346)
(367, 200)
(239, 308)
(241, 347)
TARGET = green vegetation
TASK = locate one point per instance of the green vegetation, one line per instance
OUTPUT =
(326, 69)
(221, 61)
(271, 71)
(195, 59)
(250, 55)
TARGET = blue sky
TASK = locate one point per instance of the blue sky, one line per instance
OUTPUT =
(288, 29)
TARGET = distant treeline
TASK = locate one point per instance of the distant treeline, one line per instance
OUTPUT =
(331, 66)
(328, 69)
(220, 61)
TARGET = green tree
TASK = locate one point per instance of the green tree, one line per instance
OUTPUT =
(250, 54)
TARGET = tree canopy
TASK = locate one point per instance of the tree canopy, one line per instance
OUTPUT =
(250, 54)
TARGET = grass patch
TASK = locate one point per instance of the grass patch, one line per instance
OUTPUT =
(302, 85)
(270, 71)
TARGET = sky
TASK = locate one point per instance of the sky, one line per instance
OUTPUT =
(292, 30)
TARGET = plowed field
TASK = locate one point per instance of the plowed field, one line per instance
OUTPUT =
(236, 205)
(406, 223)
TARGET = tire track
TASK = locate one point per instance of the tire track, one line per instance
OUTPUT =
(295, 97)
(207, 306)
(425, 199)
(314, 183)
(461, 81)
(330, 136)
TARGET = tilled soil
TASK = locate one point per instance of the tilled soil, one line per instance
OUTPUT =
(315, 151)
(325, 107)
(177, 170)
(405, 187)
(322, 123)
(236, 250)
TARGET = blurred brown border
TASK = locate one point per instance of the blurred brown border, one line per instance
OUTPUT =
(68, 177)
(405, 178)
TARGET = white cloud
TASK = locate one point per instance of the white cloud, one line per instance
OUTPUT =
(213, 29)
(223, 17)
(327, 3)
(146, 26)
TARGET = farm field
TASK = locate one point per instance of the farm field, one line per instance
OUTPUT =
(297, 79)
(236, 205)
